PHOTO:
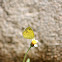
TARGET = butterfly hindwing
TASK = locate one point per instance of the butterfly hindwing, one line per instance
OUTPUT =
(28, 33)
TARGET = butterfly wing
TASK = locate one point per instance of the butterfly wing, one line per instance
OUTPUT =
(28, 33)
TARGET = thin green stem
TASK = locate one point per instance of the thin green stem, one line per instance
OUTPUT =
(26, 54)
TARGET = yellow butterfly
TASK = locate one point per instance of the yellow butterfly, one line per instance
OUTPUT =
(28, 33)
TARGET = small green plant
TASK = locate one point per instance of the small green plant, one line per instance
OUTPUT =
(28, 60)
(29, 34)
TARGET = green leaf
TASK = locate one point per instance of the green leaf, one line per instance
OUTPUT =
(28, 60)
